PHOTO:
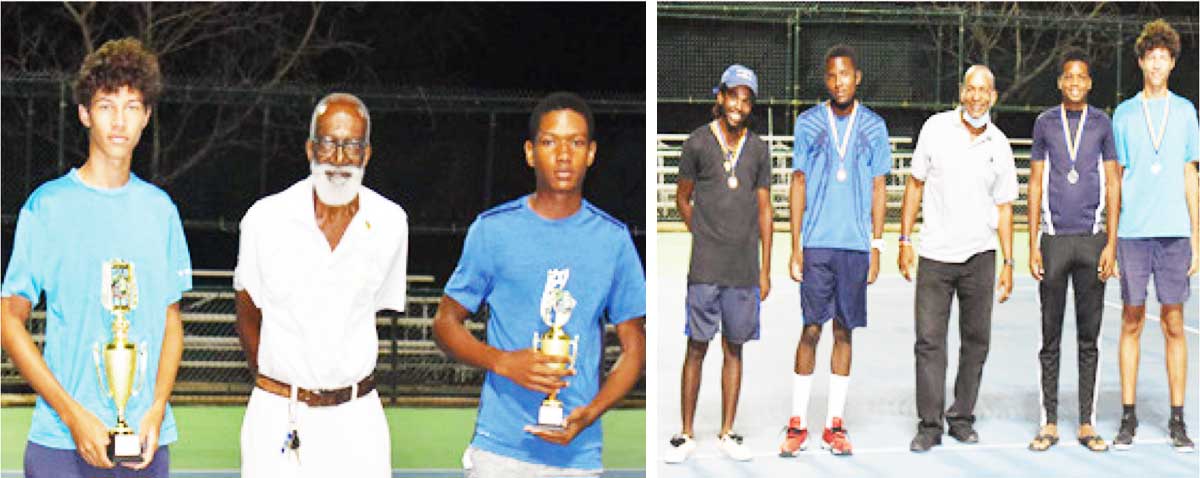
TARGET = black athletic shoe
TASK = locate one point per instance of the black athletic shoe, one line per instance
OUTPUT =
(924, 441)
(1179, 438)
(1124, 439)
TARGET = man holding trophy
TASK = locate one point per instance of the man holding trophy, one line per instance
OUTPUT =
(539, 406)
(315, 263)
(108, 251)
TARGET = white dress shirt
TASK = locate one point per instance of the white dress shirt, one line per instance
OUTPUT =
(318, 305)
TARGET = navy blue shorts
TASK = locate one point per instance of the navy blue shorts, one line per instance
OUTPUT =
(45, 462)
(733, 311)
(1166, 258)
(835, 285)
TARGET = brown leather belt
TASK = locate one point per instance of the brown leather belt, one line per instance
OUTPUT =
(316, 398)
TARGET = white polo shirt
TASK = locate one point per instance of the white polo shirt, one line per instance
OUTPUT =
(965, 180)
(318, 305)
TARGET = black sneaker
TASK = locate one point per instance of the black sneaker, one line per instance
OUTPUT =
(1124, 439)
(1179, 438)
(924, 441)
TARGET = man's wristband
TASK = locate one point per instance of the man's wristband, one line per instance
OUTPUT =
(878, 244)
(905, 241)
(1008, 262)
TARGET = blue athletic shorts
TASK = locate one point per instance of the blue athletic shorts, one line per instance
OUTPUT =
(835, 285)
(733, 311)
(1166, 258)
(45, 462)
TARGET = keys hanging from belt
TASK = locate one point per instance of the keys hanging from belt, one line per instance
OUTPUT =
(291, 443)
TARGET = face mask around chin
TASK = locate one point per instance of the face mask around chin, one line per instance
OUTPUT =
(339, 191)
(977, 122)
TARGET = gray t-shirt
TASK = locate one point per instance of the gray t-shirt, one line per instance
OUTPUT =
(724, 220)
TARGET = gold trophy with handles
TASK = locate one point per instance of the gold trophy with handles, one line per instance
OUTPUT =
(117, 362)
(557, 305)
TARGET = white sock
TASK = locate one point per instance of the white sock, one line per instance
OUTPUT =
(837, 397)
(801, 384)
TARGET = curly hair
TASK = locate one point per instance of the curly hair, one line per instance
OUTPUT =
(118, 63)
(1070, 54)
(1156, 34)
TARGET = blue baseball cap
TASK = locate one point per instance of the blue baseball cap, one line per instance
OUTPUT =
(738, 75)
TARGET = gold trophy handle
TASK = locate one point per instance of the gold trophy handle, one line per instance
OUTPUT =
(99, 370)
(139, 380)
(574, 348)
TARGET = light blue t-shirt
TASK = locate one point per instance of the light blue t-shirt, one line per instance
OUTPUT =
(1154, 205)
(837, 214)
(507, 258)
(65, 232)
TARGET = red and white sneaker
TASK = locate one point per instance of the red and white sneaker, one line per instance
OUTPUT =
(797, 438)
(834, 439)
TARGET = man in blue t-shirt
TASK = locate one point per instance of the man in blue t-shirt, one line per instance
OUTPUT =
(1156, 136)
(841, 159)
(71, 235)
(1073, 176)
(551, 243)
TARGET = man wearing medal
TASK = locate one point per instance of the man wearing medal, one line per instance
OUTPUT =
(841, 158)
(316, 262)
(108, 251)
(553, 266)
(1159, 235)
(1073, 179)
(724, 198)
(964, 179)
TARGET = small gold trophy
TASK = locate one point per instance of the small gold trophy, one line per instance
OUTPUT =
(557, 343)
(120, 358)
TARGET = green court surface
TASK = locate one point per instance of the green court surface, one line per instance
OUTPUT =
(422, 438)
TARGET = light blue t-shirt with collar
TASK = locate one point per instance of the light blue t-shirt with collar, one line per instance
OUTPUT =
(65, 232)
(1154, 205)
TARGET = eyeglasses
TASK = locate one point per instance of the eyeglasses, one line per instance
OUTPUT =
(353, 149)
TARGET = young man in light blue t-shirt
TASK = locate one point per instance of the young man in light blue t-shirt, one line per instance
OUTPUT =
(838, 200)
(551, 243)
(69, 233)
(1159, 235)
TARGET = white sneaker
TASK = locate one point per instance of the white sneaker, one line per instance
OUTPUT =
(681, 448)
(731, 444)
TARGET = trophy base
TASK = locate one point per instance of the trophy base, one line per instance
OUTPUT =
(551, 416)
(124, 448)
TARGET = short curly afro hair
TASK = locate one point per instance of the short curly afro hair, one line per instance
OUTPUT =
(118, 63)
(1156, 34)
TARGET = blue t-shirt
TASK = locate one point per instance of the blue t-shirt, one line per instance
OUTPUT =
(1072, 208)
(65, 232)
(837, 214)
(1154, 205)
(506, 259)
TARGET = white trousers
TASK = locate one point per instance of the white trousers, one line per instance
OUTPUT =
(350, 439)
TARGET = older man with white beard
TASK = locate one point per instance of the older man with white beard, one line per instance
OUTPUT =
(315, 264)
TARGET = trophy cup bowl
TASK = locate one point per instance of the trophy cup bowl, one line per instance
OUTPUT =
(120, 368)
(555, 343)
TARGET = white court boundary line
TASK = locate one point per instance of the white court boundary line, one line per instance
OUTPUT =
(1151, 317)
(819, 452)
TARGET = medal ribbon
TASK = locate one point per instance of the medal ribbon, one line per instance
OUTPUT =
(1156, 138)
(1073, 147)
(845, 142)
(730, 155)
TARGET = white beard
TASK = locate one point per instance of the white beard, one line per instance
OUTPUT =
(339, 189)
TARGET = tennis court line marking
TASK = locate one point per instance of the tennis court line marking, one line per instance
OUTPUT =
(1152, 317)
(817, 451)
